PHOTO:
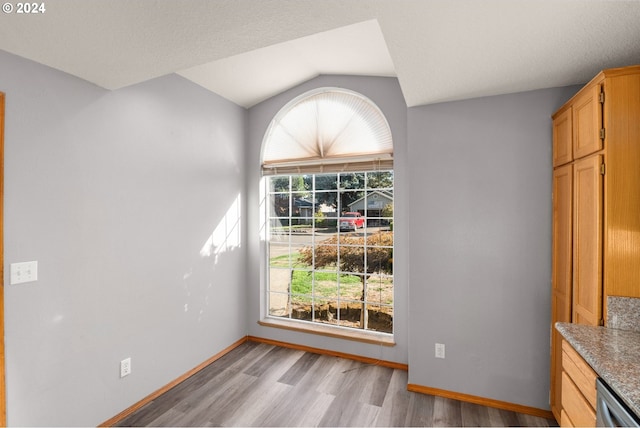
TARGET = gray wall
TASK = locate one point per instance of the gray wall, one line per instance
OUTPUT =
(115, 194)
(480, 265)
(386, 93)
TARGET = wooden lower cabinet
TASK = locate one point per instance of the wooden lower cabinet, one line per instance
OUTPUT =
(564, 420)
(578, 390)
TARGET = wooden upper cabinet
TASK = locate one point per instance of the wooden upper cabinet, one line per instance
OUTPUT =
(587, 122)
(562, 138)
(587, 240)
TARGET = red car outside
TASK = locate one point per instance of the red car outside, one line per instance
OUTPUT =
(351, 221)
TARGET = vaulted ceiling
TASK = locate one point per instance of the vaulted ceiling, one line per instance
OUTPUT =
(250, 50)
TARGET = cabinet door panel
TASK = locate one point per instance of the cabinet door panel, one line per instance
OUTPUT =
(565, 421)
(562, 138)
(562, 238)
(587, 122)
(561, 293)
(580, 373)
(575, 406)
(587, 241)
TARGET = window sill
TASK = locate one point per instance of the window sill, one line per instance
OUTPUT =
(373, 337)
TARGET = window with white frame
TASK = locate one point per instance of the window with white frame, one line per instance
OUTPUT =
(328, 165)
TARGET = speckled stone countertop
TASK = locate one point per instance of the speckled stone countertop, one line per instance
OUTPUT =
(624, 313)
(613, 354)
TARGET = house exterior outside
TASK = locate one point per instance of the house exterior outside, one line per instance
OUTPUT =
(371, 205)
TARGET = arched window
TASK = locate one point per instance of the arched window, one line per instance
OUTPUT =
(328, 129)
(328, 161)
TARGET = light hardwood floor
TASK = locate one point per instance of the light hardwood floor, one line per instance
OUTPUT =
(258, 384)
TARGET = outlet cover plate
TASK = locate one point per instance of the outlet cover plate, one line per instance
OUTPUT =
(24, 272)
(125, 367)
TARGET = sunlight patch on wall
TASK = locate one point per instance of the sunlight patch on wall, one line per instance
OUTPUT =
(227, 234)
(263, 209)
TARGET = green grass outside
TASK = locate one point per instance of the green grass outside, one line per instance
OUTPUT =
(326, 284)
(283, 261)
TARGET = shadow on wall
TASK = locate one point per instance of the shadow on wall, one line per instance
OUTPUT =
(225, 238)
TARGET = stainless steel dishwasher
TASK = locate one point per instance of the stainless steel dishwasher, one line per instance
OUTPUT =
(611, 411)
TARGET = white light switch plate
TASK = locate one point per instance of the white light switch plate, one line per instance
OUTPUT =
(439, 350)
(24, 272)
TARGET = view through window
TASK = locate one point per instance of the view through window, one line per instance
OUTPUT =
(330, 248)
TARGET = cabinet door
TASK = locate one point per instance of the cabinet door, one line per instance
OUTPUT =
(587, 122)
(575, 405)
(587, 241)
(580, 373)
(562, 142)
(564, 420)
(561, 287)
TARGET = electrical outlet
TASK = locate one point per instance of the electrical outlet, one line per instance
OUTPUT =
(125, 367)
(439, 350)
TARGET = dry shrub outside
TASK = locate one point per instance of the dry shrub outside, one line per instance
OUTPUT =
(349, 256)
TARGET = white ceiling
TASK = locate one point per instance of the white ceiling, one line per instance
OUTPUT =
(249, 50)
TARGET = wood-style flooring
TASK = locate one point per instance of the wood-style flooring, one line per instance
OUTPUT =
(258, 384)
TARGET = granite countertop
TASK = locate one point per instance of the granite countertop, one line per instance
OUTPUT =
(613, 354)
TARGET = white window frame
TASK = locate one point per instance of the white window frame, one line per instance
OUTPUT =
(293, 243)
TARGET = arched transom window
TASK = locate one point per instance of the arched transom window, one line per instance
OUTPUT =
(325, 130)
